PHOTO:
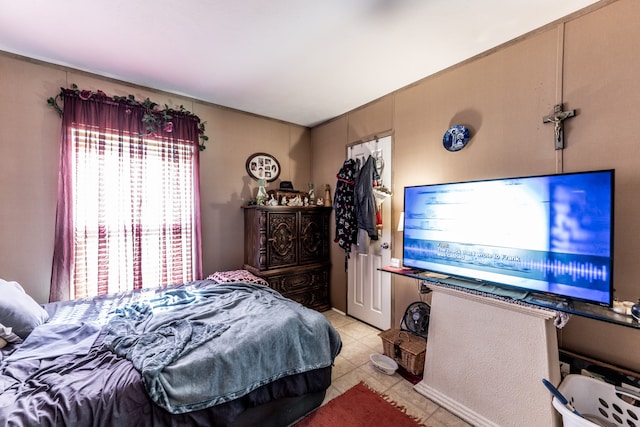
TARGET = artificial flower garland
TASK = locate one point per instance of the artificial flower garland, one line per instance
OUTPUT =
(154, 118)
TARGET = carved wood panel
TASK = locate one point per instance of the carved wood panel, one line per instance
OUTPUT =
(282, 237)
(311, 237)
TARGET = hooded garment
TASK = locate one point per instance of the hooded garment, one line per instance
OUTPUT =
(366, 206)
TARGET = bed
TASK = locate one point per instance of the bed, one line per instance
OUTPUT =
(224, 351)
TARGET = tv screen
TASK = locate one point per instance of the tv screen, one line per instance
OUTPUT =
(550, 234)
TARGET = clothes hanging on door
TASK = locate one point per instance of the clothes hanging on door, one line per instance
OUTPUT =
(366, 206)
(344, 206)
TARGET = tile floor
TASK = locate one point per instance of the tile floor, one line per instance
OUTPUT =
(352, 365)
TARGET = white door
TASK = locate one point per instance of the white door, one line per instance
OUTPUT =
(368, 289)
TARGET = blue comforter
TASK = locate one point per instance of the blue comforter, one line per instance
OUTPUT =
(203, 346)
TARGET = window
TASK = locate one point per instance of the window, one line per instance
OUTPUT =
(132, 205)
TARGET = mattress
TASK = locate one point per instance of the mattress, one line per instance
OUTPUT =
(65, 374)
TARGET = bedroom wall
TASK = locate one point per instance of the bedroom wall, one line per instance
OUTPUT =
(29, 146)
(590, 60)
(501, 96)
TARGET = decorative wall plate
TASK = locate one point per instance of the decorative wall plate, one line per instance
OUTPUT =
(263, 166)
(456, 138)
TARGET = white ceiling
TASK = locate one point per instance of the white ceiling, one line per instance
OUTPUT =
(301, 61)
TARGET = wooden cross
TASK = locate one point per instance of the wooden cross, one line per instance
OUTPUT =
(556, 118)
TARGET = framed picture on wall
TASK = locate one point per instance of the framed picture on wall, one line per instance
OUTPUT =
(263, 166)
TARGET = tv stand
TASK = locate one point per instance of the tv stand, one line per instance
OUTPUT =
(486, 355)
(486, 358)
(578, 308)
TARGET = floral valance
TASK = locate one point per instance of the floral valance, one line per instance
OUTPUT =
(155, 119)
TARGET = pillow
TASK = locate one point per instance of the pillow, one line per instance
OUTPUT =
(18, 310)
(236, 276)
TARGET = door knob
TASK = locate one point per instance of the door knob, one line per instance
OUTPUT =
(385, 245)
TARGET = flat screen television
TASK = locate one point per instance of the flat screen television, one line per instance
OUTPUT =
(550, 234)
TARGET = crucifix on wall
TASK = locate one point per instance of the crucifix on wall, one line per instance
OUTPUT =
(557, 117)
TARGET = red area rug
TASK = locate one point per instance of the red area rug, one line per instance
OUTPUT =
(359, 406)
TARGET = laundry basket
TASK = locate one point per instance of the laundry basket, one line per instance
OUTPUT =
(594, 397)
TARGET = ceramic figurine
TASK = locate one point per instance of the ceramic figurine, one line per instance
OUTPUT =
(262, 196)
(312, 194)
(296, 201)
(327, 195)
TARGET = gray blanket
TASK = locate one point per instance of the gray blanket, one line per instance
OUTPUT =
(210, 345)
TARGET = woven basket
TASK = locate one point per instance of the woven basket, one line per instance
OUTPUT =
(406, 349)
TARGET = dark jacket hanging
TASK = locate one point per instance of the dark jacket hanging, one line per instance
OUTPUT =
(366, 207)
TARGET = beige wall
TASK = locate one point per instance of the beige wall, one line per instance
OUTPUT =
(29, 145)
(591, 62)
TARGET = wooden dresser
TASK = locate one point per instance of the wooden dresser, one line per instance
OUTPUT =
(289, 248)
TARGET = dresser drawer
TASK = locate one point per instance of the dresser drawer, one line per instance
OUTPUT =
(309, 287)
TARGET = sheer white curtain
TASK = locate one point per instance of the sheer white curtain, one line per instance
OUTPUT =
(128, 208)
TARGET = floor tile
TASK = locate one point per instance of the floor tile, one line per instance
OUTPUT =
(353, 365)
